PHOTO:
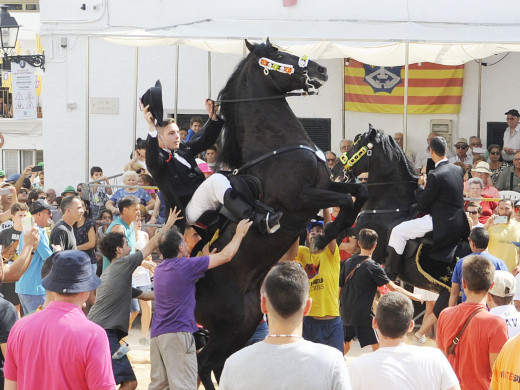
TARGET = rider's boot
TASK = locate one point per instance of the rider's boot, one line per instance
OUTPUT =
(265, 222)
(393, 264)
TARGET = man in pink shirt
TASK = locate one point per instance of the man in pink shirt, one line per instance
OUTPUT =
(59, 348)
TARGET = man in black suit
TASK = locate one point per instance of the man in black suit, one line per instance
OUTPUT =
(441, 195)
(175, 171)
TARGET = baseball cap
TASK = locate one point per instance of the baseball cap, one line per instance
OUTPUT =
(39, 205)
(314, 223)
(71, 273)
(513, 112)
(505, 284)
(14, 177)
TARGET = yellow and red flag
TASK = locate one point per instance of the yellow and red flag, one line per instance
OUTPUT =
(432, 88)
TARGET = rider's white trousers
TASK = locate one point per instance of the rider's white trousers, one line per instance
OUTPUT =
(408, 230)
(209, 196)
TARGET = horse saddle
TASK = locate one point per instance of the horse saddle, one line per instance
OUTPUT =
(416, 256)
(211, 221)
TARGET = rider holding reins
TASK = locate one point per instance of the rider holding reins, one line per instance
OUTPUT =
(174, 169)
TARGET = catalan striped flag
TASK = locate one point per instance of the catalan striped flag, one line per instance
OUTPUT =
(432, 88)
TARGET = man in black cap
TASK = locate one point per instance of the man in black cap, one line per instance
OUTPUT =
(60, 343)
(511, 135)
(174, 169)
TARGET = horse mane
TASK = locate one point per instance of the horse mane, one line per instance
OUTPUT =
(392, 150)
(231, 153)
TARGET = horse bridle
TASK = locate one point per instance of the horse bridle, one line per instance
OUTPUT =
(271, 65)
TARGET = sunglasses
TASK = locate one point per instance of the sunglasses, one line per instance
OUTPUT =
(363, 178)
(494, 153)
(517, 209)
(473, 212)
(461, 147)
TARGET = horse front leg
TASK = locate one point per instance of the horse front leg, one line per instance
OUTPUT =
(338, 194)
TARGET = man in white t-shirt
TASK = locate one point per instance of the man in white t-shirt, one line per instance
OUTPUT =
(500, 301)
(284, 360)
(511, 135)
(396, 365)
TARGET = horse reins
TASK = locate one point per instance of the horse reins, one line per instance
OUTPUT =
(276, 152)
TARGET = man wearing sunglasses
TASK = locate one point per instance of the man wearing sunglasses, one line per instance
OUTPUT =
(462, 156)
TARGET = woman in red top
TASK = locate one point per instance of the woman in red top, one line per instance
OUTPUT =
(475, 186)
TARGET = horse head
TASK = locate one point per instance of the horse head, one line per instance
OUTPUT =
(377, 153)
(287, 71)
(255, 90)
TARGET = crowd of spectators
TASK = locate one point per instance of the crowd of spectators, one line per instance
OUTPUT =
(316, 302)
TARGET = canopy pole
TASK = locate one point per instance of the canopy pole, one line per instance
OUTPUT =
(405, 110)
(209, 74)
(178, 52)
(343, 111)
(479, 102)
(136, 71)
(87, 110)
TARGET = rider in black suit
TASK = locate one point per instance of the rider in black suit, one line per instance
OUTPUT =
(441, 195)
(177, 175)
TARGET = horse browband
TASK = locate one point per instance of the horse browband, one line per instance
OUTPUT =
(268, 65)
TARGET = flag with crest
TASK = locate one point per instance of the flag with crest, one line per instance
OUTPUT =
(432, 88)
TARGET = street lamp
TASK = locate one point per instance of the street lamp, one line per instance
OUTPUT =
(8, 36)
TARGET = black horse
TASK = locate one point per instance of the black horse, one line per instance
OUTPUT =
(263, 138)
(392, 182)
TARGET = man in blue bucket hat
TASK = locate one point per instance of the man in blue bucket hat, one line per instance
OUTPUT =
(60, 343)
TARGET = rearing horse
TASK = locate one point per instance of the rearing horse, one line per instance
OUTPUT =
(263, 138)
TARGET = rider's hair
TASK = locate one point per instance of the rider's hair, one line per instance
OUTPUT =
(286, 286)
(170, 242)
(480, 237)
(110, 243)
(367, 238)
(478, 273)
(127, 201)
(439, 146)
(394, 314)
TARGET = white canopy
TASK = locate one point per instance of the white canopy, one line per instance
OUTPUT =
(375, 32)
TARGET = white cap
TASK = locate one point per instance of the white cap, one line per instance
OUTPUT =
(505, 284)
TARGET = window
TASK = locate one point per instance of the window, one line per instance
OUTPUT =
(15, 161)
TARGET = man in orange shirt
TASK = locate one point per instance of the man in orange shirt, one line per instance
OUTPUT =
(485, 333)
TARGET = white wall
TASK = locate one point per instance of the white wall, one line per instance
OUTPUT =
(96, 68)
